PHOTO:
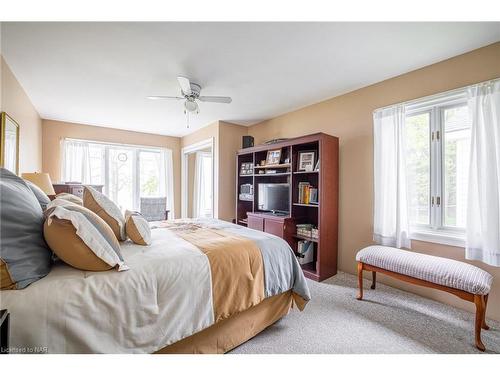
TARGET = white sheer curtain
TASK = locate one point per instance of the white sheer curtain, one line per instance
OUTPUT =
(167, 180)
(483, 205)
(197, 188)
(390, 222)
(75, 165)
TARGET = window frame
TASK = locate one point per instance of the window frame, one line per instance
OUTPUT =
(436, 231)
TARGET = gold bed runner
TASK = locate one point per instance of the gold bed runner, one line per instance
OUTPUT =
(236, 265)
(5, 279)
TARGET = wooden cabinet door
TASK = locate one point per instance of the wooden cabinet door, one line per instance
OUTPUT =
(256, 223)
(274, 227)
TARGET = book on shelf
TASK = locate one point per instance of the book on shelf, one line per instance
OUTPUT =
(307, 193)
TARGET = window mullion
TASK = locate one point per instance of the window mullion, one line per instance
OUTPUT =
(106, 170)
(441, 166)
(136, 178)
(435, 170)
(438, 167)
(432, 170)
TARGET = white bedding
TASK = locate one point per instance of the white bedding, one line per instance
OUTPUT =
(164, 297)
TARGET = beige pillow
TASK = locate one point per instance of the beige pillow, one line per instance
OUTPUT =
(137, 228)
(70, 197)
(106, 209)
(82, 239)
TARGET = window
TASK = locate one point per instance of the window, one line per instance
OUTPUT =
(128, 173)
(437, 159)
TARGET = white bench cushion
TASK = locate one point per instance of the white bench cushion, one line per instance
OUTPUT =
(437, 270)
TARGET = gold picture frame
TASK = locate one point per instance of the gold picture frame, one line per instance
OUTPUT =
(9, 143)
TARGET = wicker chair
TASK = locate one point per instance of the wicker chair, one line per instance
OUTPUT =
(154, 209)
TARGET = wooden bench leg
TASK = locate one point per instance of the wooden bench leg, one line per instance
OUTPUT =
(479, 302)
(485, 326)
(360, 281)
(374, 279)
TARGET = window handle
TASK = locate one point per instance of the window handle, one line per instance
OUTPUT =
(432, 201)
(438, 201)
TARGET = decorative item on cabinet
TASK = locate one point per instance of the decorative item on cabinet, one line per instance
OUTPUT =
(246, 169)
(247, 141)
(306, 161)
(75, 188)
(273, 157)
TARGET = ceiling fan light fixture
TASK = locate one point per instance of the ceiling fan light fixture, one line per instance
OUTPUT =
(191, 106)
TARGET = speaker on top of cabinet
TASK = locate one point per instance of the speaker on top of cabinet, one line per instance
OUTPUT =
(247, 141)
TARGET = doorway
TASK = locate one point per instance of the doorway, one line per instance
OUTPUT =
(198, 180)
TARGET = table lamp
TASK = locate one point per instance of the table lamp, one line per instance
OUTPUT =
(42, 180)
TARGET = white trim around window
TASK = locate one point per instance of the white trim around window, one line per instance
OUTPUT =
(443, 237)
(437, 231)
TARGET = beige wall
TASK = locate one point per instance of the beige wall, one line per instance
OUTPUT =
(350, 118)
(17, 104)
(227, 138)
(209, 131)
(230, 141)
(54, 131)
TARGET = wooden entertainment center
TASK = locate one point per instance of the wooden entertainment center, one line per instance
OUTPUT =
(321, 214)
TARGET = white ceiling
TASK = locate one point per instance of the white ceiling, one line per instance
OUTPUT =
(101, 73)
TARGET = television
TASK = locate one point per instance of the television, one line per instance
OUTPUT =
(274, 197)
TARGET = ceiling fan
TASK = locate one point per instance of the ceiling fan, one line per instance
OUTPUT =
(191, 93)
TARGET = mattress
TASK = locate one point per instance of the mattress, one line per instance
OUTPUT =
(166, 296)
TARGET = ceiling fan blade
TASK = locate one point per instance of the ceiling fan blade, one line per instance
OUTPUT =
(160, 97)
(185, 85)
(216, 99)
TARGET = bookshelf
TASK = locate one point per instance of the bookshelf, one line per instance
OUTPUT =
(323, 215)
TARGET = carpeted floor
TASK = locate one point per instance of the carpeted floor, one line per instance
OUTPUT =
(386, 321)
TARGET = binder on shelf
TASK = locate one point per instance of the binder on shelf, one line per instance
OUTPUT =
(305, 252)
(313, 195)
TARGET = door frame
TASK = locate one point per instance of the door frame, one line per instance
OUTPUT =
(198, 146)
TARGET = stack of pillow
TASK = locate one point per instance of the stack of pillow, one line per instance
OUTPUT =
(84, 233)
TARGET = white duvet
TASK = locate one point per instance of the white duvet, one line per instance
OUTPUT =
(164, 297)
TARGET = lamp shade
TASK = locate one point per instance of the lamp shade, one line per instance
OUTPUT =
(42, 180)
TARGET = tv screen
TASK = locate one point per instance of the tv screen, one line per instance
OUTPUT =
(274, 197)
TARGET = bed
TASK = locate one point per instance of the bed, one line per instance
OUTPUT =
(202, 286)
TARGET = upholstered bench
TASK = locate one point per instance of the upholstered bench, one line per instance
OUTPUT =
(461, 279)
